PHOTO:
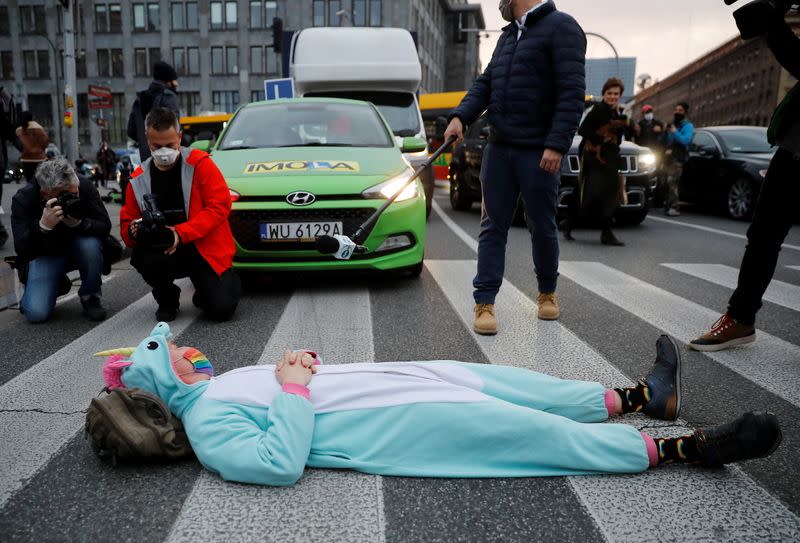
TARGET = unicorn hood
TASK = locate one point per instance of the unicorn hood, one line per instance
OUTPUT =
(149, 368)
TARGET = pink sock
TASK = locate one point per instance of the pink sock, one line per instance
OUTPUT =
(652, 450)
(611, 397)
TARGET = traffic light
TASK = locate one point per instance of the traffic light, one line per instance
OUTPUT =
(277, 34)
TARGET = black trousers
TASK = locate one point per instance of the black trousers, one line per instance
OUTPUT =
(772, 220)
(216, 295)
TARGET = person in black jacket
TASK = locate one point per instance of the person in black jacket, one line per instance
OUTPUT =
(534, 89)
(59, 223)
(162, 92)
(775, 210)
(601, 188)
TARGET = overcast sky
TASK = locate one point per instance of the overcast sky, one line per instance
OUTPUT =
(663, 35)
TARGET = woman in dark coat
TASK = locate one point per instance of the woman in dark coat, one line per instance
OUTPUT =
(600, 186)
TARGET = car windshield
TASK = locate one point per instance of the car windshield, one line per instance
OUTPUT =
(747, 140)
(398, 108)
(303, 124)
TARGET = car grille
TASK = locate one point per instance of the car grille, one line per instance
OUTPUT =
(246, 225)
(629, 164)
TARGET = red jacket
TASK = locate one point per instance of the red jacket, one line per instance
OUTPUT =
(208, 200)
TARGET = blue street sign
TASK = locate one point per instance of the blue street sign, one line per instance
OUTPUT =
(275, 89)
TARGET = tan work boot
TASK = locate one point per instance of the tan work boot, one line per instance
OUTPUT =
(485, 323)
(548, 306)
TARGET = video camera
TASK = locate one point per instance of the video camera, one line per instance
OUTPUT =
(753, 18)
(71, 205)
(153, 232)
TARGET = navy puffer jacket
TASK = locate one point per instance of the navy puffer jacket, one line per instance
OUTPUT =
(534, 87)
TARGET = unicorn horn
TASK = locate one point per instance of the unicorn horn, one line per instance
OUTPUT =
(124, 351)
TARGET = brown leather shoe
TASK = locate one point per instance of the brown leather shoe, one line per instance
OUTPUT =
(485, 323)
(726, 332)
(548, 306)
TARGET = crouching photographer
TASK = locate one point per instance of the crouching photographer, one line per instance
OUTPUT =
(59, 224)
(776, 207)
(175, 218)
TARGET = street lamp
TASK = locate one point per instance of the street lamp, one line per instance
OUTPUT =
(58, 92)
(345, 15)
(616, 55)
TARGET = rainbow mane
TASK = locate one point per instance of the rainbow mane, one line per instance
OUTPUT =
(199, 361)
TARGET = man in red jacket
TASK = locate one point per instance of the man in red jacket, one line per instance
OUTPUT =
(188, 190)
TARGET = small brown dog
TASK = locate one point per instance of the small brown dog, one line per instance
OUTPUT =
(610, 134)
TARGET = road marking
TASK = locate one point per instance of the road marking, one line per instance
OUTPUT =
(325, 505)
(712, 230)
(796, 268)
(778, 292)
(770, 362)
(691, 504)
(457, 230)
(41, 409)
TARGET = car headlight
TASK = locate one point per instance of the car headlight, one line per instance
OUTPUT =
(647, 159)
(390, 186)
(419, 155)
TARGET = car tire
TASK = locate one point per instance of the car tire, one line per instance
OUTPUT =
(460, 199)
(519, 218)
(741, 199)
(633, 218)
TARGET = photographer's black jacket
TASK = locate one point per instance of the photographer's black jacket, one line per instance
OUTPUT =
(785, 45)
(26, 211)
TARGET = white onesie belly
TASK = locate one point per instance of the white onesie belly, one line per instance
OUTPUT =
(356, 386)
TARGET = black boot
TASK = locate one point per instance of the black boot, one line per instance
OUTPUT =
(664, 381)
(753, 435)
(607, 237)
(566, 228)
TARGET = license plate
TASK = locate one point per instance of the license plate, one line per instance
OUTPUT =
(298, 231)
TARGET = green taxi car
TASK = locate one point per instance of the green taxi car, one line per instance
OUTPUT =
(307, 167)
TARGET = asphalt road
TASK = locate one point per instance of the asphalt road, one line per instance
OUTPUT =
(673, 276)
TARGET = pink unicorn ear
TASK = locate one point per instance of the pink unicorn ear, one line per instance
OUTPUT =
(113, 367)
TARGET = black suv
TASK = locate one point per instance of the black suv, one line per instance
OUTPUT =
(639, 171)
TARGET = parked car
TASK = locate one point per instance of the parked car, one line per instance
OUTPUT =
(727, 165)
(639, 171)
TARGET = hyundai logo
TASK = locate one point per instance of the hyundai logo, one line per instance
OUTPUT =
(301, 198)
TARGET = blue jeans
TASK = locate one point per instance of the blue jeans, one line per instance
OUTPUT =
(45, 273)
(507, 172)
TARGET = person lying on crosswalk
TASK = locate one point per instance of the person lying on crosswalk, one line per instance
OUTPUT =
(265, 424)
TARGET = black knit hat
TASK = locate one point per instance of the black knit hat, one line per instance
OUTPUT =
(164, 72)
(685, 106)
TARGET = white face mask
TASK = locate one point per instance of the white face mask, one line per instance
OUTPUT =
(648, 117)
(165, 156)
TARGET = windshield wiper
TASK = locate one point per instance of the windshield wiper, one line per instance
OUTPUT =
(237, 148)
(318, 144)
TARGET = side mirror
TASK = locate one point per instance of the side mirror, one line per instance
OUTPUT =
(203, 145)
(710, 153)
(414, 145)
(485, 131)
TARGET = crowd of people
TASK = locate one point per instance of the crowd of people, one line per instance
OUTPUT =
(175, 220)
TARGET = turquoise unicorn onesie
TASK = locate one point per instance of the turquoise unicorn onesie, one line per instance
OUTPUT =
(424, 419)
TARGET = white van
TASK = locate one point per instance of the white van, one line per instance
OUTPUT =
(378, 65)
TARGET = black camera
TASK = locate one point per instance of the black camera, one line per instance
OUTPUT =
(153, 232)
(754, 17)
(71, 205)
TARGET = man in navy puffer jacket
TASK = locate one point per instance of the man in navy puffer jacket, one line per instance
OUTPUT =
(534, 90)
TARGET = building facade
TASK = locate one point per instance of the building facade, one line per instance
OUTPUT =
(599, 70)
(739, 83)
(221, 49)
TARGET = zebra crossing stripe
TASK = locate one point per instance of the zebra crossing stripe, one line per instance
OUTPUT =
(779, 293)
(796, 268)
(685, 503)
(770, 362)
(712, 230)
(42, 408)
(325, 505)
